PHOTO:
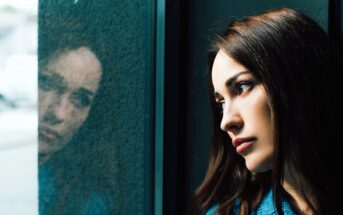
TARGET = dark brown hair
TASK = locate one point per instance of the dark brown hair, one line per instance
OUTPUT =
(300, 68)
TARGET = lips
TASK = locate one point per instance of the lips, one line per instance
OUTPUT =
(241, 144)
(48, 134)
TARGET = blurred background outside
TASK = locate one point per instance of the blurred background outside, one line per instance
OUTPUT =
(18, 107)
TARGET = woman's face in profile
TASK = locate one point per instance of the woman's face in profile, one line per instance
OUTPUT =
(247, 116)
(67, 86)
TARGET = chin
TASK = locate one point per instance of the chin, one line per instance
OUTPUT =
(44, 148)
(258, 166)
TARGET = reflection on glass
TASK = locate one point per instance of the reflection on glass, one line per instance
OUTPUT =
(95, 106)
(67, 86)
(70, 177)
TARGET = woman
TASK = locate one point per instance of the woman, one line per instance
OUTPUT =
(72, 144)
(68, 84)
(275, 82)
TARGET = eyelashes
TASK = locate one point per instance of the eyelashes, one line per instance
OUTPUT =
(243, 86)
(238, 89)
(80, 100)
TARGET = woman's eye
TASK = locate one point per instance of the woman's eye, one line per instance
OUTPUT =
(44, 82)
(80, 101)
(244, 86)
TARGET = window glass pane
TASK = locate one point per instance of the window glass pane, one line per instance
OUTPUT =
(95, 106)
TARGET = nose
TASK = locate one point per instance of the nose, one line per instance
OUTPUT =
(51, 118)
(56, 112)
(232, 120)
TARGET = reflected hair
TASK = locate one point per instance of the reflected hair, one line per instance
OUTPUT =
(299, 66)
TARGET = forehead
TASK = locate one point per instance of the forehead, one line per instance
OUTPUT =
(225, 67)
(79, 68)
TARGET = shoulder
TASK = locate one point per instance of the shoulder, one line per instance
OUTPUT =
(267, 206)
(97, 204)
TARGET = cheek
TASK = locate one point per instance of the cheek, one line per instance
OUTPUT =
(75, 122)
(258, 118)
(260, 112)
(264, 118)
(265, 132)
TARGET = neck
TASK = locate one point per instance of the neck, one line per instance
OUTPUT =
(291, 186)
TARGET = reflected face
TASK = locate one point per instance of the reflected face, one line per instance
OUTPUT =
(247, 116)
(67, 86)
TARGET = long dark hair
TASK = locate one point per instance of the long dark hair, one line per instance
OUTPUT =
(300, 69)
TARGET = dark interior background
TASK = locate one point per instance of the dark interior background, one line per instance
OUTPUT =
(190, 27)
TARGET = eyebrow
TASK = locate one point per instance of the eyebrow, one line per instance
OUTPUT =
(229, 82)
(56, 79)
